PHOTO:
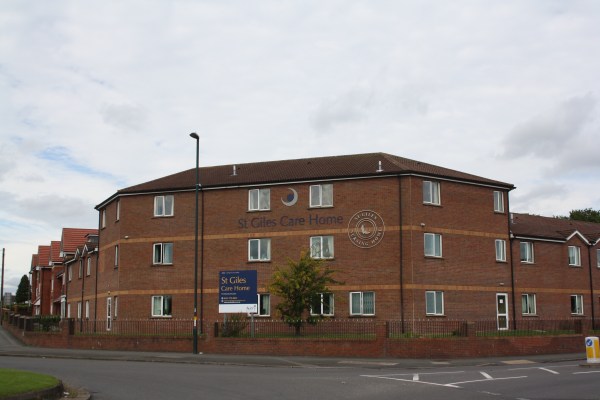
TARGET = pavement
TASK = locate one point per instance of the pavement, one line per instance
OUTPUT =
(10, 346)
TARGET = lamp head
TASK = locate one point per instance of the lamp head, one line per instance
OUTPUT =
(194, 135)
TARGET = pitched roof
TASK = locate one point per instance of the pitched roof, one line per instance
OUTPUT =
(307, 169)
(72, 238)
(44, 256)
(35, 260)
(535, 226)
(55, 252)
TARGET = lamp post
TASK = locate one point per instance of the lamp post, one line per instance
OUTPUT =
(195, 331)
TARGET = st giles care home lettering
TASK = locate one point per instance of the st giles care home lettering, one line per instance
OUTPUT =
(287, 221)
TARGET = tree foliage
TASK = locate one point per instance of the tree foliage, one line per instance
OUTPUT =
(23, 291)
(298, 286)
(586, 214)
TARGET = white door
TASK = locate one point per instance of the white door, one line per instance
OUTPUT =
(502, 310)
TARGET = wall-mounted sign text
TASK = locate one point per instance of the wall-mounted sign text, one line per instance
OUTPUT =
(237, 292)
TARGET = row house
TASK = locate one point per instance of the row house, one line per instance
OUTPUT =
(41, 281)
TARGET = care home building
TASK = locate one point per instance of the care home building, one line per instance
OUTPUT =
(408, 240)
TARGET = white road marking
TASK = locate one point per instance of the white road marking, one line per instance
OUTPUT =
(486, 375)
(486, 380)
(551, 371)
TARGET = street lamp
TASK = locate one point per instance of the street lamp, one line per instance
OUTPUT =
(195, 331)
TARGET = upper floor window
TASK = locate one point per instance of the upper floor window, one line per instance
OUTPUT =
(362, 303)
(500, 250)
(103, 217)
(527, 252)
(118, 210)
(321, 195)
(321, 247)
(70, 272)
(498, 202)
(598, 258)
(577, 304)
(434, 303)
(88, 270)
(161, 306)
(431, 192)
(322, 304)
(163, 206)
(433, 245)
(163, 253)
(528, 306)
(259, 249)
(259, 199)
(574, 256)
(116, 256)
(80, 267)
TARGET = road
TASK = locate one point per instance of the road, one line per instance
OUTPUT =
(356, 379)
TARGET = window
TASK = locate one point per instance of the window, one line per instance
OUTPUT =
(362, 303)
(264, 305)
(78, 310)
(498, 202)
(118, 210)
(574, 256)
(500, 250)
(434, 303)
(259, 249)
(577, 304)
(321, 247)
(527, 252)
(322, 305)
(598, 258)
(528, 304)
(161, 306)
(116, 307)
(163, 253)
(88, 270)
(70, 272)
(163, 206)
(321, 195)
(117, 256)
(103, 218)
(108, 313)
(259, 199)
(87, 309)
(68, 310)
(433, 245)
(431, 192)
(80, 268)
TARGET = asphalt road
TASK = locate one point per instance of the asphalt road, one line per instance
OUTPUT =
(358, 379)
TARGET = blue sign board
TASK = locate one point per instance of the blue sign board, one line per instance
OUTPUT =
(237, 292)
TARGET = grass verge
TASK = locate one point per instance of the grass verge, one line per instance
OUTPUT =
(14, 382)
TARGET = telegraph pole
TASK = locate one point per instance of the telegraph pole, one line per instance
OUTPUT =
(2, 292)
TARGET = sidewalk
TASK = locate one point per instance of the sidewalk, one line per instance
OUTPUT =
(9, 346)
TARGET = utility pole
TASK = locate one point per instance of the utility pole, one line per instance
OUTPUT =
(2, 291)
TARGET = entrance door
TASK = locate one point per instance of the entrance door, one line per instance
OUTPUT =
(502, 311)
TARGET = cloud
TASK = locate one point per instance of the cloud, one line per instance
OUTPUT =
(124, 116)
(564, 135)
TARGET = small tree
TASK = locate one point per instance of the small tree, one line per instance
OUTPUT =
(23, 291)
(587, 214)
(298, 286)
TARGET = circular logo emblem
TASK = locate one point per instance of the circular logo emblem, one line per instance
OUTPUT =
(366, 229)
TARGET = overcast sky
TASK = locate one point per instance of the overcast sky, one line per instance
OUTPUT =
(100, 95)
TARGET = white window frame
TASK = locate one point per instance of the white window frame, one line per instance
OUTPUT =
(80, 268)
(164, 300)
(118, 210)
(578, 310)
(322, 305)
(109, 315)
(115, 306)
(437, 245)
(117, 256)
(598, 258)
(103, 218)
(161, 204)
(79, 310)
(498, 201)
(68, 310)
(261, 297)
(70, 272)
(528, 304)
(88, 270)
(321, 195)
(574, 256)
(529, 256)
(87, 309)
(259, 199)
(432, 193)
(261, 242)
(361, 310)
(316, 247)
(434, 298)
(159, 259)
(500, 250)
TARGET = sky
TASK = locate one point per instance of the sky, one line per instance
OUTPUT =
(96, 96)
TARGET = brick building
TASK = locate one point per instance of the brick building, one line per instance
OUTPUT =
(409, 240)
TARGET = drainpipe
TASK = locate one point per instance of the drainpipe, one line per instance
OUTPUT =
(400, 254)
(512, 264)
(590, 246)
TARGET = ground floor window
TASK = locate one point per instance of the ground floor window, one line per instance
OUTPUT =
(362, 303)
(577, 304)
(322, 305)
(434, 303)
(264, 304)
(161, 306)
(528, 306)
